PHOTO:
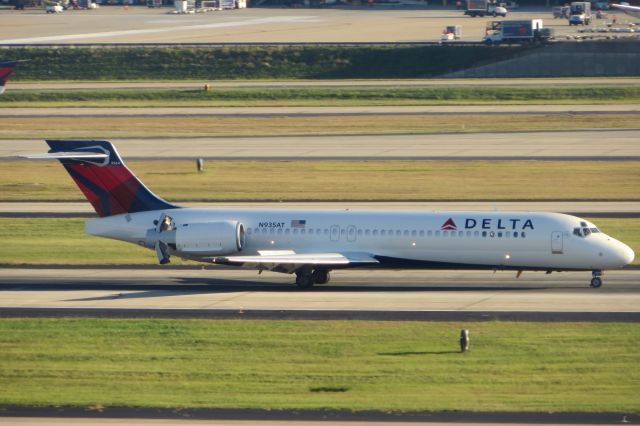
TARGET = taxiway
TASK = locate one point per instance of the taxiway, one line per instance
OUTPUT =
(558, 145)
(579, 208)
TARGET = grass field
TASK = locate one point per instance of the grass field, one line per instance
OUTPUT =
(408, 366)
(63, 241)
(326, 96)
(347, 180)
(195, 126)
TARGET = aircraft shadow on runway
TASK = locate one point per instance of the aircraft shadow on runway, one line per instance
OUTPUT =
(191, 285)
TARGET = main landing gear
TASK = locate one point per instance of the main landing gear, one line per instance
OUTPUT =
(307, 278)
(596, 281)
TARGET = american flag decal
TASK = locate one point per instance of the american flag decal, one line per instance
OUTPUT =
(298, 223)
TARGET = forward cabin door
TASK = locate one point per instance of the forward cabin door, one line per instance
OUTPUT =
(556, 242)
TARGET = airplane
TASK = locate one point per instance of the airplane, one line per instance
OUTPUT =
(312, 243)
(628, 9)
(6, 68)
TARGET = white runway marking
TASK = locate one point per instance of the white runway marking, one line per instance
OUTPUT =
(85, 36)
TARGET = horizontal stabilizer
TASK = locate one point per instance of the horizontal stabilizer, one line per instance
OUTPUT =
(68, 156)
(98, 170)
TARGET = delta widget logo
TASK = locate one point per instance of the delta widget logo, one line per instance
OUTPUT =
(449, 225)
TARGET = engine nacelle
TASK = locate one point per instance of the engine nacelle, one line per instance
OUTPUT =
(210, 238)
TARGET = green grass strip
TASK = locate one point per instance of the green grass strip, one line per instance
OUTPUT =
(359, 365)
(348, 180)
(31, 241)
(249, 62)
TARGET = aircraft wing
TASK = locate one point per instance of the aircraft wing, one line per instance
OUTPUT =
(629, 10)
(289, 261)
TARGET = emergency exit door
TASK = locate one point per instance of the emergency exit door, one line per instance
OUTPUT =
(556, 242)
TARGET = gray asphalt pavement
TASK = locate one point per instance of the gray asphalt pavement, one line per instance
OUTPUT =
(626, 81)
(580, 208)
(93, 421)
(294, 111)
(266, 25)
(573, 145)
(354, 290)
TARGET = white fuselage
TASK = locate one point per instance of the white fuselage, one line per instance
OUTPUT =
(440, 240)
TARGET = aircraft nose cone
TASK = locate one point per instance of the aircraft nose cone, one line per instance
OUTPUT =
(623, 254)
(628, 255)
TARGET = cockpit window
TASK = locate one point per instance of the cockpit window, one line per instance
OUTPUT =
(585, 232)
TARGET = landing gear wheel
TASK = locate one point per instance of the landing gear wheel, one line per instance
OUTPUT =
(596, 282)
(304, 280)
(321, 276)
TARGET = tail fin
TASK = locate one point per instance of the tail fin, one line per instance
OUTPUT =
(6, 68)
(101, 175)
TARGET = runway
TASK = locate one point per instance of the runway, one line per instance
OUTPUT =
(221, 417)
(598, 145)
(224, 289)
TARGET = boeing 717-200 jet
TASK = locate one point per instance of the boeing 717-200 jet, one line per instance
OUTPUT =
(311, 243)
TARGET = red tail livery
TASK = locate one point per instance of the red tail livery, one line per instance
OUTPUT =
(6, 68)
(100, 173)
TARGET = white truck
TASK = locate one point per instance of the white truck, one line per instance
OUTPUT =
(580, 13)
(521, 31)
(484, 7)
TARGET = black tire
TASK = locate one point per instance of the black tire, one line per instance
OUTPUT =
(304, 281)
(321, 276)
(596, 282)
(494, 14)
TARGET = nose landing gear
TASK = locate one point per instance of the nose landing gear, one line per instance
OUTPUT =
(596, 281)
